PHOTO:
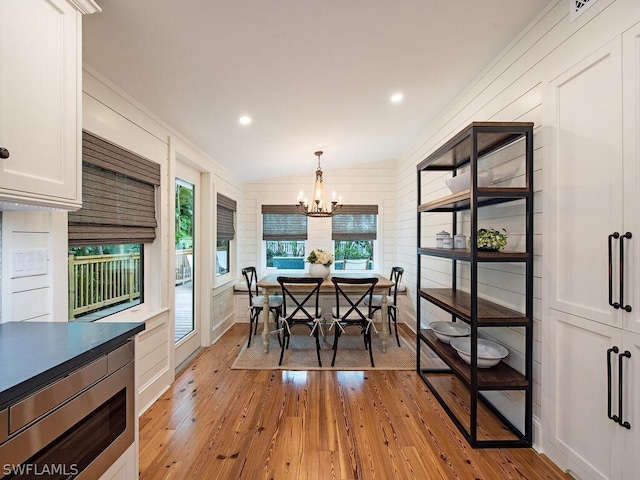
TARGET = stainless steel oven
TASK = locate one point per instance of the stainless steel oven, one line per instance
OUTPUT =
(74, 428)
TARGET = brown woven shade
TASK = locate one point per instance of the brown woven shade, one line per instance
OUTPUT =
(283, 222)
(118, 196)
(226, 209)
(355, 222)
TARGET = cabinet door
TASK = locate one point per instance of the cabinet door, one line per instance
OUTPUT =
(631, 407)
(578, 422)
(585, 182)
(631, 155)
(39, 98)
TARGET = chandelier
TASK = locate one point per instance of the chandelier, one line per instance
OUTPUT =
(318, 206)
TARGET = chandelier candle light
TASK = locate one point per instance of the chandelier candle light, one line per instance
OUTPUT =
(319, 206)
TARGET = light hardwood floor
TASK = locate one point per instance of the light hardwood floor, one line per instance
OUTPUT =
(218, 423)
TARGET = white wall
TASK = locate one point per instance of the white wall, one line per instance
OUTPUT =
(512, 88)
(367, 184)
(112, 115)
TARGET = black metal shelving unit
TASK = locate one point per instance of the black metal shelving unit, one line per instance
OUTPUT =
(466, 149)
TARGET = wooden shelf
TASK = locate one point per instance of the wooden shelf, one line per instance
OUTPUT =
(491, 136)
(465, 255)
(462, 200)
(493, 431)
(498, 377)
(489, 314)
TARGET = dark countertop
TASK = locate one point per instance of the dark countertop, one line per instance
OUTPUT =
(34, 354)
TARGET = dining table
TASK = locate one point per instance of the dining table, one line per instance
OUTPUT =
(270, 286)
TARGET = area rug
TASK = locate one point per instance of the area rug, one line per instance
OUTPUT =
(301, 354)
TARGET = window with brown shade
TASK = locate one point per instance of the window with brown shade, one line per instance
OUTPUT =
(107, 235)
(225, 224)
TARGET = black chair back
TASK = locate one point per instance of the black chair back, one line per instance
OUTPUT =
(296, 302)
(355, 300)
(396, 278)
(251, 277)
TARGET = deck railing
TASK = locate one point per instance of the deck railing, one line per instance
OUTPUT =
(98, 281)
(184, 259)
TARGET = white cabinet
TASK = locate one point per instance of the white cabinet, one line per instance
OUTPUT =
(594, 269)
(590, 360)
(124, 468)
(40, 102)
(585, 183)
(631, 176)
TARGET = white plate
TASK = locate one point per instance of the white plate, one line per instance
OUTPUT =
(446, 331)
(489, 353)
(463, 181)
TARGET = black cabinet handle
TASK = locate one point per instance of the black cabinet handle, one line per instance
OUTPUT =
(609, 392)
(622, 237)
(4, 153)
(626, 354)
(615, 305)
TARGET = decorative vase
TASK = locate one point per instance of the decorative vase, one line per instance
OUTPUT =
(318, 270)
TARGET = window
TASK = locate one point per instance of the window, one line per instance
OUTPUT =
(107, 235)
(354, 231)
(226, 232)
(284, 232)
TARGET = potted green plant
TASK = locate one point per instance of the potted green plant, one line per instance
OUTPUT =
(490, 240)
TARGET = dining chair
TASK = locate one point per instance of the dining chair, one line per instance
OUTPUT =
(392, 300)
(352, 293)
(301, 306)
(256, 304)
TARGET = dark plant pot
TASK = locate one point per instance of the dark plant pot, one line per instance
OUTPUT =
(486, 249)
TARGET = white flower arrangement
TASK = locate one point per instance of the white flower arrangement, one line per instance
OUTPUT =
(321, 257)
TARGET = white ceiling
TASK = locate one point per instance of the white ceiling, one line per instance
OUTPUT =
(312, 74)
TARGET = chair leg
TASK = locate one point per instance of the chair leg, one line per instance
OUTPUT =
(395, 322)
(253, 317)
(276, 321)
(284, 344)
(257, 320)
(368, 335)
(318, 347)
(335, 345)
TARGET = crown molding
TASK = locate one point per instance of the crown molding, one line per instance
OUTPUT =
(85, 7)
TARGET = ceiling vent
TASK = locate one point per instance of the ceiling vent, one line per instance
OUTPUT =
(578, 7)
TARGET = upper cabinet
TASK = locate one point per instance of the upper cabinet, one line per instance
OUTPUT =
(40, 103)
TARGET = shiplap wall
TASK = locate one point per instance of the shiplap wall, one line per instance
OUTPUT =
(370, 184)
(512, 88)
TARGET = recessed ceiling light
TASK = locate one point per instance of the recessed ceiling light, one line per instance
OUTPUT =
(245, 120)
(397, 97)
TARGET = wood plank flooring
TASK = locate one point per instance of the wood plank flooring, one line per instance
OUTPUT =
(218, 423)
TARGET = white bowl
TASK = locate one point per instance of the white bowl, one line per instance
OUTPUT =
(463, 181)
(489, 353)
(446, 331)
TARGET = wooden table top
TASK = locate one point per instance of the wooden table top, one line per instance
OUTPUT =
(270, 281)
